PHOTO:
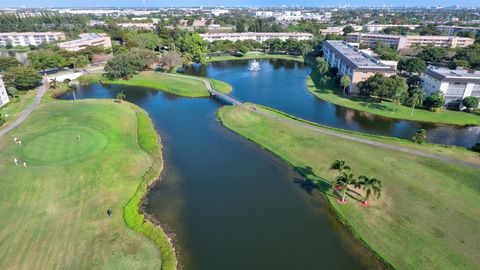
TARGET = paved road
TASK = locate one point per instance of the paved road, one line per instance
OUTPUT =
(233, 101)
(26, 113)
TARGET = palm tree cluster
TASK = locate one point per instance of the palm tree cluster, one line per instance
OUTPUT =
(346, 179)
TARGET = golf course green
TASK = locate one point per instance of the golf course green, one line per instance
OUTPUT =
(427, 216)
(82, 158)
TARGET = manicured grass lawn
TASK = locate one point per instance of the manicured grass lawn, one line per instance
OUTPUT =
(16, 107)
(427, 217)
(331, 94)
(53, 213)
(256, 56)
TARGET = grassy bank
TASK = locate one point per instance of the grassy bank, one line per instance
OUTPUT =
(426, 218)
(331, 93)
(182, 85)
(54, 211)
(16, 106)
(298, 58)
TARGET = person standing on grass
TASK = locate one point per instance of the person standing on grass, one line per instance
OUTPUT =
(109, 213)
(16, 161)
(24, 164)
(20, 143)
(15, 139)
(78, 137)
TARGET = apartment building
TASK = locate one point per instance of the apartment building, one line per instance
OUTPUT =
(403, 42)
(87, 39)
(29, 38)
(259, 37)
(374, 28)
(454, 84)
(3, 93)
(452, 30)
(352, 62)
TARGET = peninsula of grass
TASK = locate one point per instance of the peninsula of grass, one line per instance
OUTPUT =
(427, 216)
(181, 85)
(332, 94)
(83, 158)
(298, 58)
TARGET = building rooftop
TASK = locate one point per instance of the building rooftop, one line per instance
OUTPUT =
(30, 33)
(353, 57)
(82, 39)
(459, 74)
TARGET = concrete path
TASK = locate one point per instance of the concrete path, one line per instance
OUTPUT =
(27, 112)
(235, 102)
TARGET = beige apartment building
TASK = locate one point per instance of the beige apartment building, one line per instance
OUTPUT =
(257, 36)
(403, 42)
(88, 39)
(29, 38)
(352, 62)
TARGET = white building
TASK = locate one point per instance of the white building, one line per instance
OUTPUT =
(3, 93)
(453, 30)
(259, 37)
(373, 28)
(29, 38)
(454, 84)
(88, 39)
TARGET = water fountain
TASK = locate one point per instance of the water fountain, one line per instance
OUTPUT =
(255, 66)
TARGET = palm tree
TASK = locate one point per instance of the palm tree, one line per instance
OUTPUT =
(416, 98)
(397, 96)
(340, 165)
(53, 83)
(322, 65)
(346, 179)
(345, 82)
(371, 186)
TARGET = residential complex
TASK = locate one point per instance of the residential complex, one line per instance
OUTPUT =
(29, 38)
(373, 28)
(259, 37)
(403, 42)
(352, 62)
(453, 30)
(3, 93)
(88, 39)
(454, 84)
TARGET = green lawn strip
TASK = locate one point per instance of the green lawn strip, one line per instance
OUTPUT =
(148, 140)
(182, 85)
(54, 211)
(456, 152)
(426, 217)
(331, 94)
(298, 58)
(16, 106)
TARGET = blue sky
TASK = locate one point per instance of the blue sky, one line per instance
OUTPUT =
(164, 3)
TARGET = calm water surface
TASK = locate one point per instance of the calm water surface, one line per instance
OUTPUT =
(230, 204)
(281, 85)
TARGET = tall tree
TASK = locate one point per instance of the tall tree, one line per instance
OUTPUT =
(416, 98)
(170, 60)
(44, 59)
(412, 65)
(345, 179)
(470, 102)
(371, 186)
(322, 65)
(8, 62)
(345, 82)
(22, 77)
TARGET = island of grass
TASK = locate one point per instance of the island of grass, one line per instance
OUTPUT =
(181, 85)
(82, 158)
(298, 58)
(427, 216)
(331, 93)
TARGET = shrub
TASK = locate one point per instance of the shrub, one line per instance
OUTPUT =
(434, 102)
(420, 136)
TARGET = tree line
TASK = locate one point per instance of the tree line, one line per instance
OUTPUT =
(43, 22)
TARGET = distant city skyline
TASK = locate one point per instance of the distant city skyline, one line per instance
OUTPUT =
(243, 3)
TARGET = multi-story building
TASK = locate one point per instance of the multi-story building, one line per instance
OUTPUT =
(3, 93)
(352, 62)
(259, 37)
(452, 30)
(403, 42)
(29, 38)
(454, 84)
(373, 28)
(88, 39)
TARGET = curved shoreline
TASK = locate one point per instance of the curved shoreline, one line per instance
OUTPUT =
(309, 84)
(297, 58)
(133, 214)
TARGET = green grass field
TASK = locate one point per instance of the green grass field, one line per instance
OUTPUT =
(186, 86)
(332, 94)
(16, 106)
(427, 217)
(298, 58)
(53, 212)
